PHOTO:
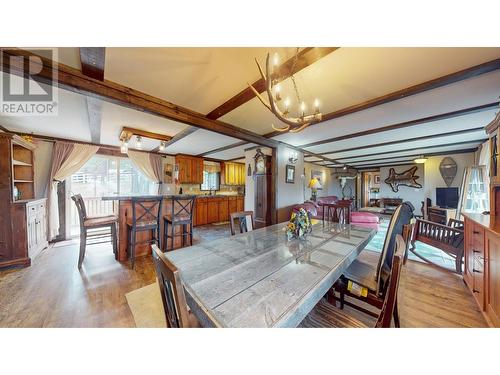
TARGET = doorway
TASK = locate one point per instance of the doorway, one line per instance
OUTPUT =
(370, 188)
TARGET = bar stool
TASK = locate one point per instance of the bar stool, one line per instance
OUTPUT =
(90, 228)
(146, 213)
(180, 214)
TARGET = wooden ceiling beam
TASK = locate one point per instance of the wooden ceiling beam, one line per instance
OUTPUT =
(410, 149)
(405, 161)
(92, 60)
(75, 81)
(461, 75)
(305, 57)
(224, 148)
(176, 138)
(127, 133)
(400, 141)
(406, 124)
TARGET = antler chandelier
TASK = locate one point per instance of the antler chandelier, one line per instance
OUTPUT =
(271, 78)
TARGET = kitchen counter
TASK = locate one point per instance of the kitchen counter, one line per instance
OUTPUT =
(208, 209)
(485, 221)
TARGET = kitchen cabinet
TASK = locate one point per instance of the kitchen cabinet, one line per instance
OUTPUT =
(240, 204)
(190, 169)
(223, 209)
(212, 210)
(232, 205)
(233, 173)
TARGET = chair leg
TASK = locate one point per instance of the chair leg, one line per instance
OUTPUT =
(191, 234)
(342, 300)
(172, 233)
(396, 314)
(330, 297)
(132, 248)
(165, 235)
(114, 239)
(83, 245)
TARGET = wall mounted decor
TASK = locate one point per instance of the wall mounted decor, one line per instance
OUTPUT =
(168, 176)
(376, 179)
(406, 178)
(290, 174)
(448, 169)
(318, 175)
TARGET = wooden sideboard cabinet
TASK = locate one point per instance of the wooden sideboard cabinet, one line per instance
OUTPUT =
(482, 265)
(23, 222)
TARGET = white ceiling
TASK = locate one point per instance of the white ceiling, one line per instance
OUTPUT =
(203, 78)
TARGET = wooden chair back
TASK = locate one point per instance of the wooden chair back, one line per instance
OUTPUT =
(183, 206)
(244, 219)
(146, 209)
(80, 207)
(339, 212)
(171, 289)
(401, 217)
(386, 313)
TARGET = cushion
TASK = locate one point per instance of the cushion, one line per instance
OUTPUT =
(364, 217)
(363, 273)
(180, 217)
(102, 220)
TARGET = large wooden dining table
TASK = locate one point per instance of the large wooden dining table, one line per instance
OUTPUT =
(261, 279)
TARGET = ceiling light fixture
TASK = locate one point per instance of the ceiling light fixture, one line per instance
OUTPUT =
(420, 160)
(293, 124)
(138, 142)
(124, 147)
(163, 145)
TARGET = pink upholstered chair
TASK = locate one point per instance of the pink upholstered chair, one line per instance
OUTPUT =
(365, 219)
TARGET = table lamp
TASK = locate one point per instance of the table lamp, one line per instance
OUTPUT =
(314, 185)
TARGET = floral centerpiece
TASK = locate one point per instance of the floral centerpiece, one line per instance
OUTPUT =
(299, 225)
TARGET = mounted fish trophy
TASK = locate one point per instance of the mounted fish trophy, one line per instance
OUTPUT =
(406, 178)
(448, 169)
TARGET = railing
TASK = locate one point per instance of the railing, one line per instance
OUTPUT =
(94, 207)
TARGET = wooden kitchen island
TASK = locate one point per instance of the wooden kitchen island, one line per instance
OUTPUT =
(208, 209)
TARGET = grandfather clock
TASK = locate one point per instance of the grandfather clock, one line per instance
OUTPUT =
(262, 184)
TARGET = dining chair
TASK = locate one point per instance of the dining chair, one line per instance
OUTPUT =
(367, 281)
(172, 292)
(244, 219)
(146, 212)
(181, 213)
(91, 228)
(326, 315)
(337, 212)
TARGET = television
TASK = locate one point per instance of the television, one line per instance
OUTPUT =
(447, 197)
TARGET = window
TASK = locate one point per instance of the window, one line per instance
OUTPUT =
(104, 176)
(211, 181)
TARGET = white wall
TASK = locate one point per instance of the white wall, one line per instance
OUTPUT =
(288, 193)
(433, 177)
(430, 179)
(415, 196)
(326, 180)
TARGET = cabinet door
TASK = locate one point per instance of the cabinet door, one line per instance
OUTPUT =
(32, 232)
(493, 280)
(181, 164)
(202, 213)
(212, 211)
(239, 204)
(232, 205)
(198, 163)
(223, 210)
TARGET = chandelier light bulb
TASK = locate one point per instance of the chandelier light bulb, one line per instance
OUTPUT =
(316, 104)
(303, 108)
(138, 142)
(276, 59)
(277, 89)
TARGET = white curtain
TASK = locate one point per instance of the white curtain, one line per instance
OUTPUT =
(147, 165)
(75, 160)
(484, 159)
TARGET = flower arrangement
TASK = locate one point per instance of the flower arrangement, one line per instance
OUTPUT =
(299, 225)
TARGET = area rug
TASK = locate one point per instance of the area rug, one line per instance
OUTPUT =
(430, 252)
(146, 306)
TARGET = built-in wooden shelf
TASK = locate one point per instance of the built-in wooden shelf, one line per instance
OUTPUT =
(21, 163)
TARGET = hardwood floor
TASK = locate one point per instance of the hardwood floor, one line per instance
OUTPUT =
(54, 293)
